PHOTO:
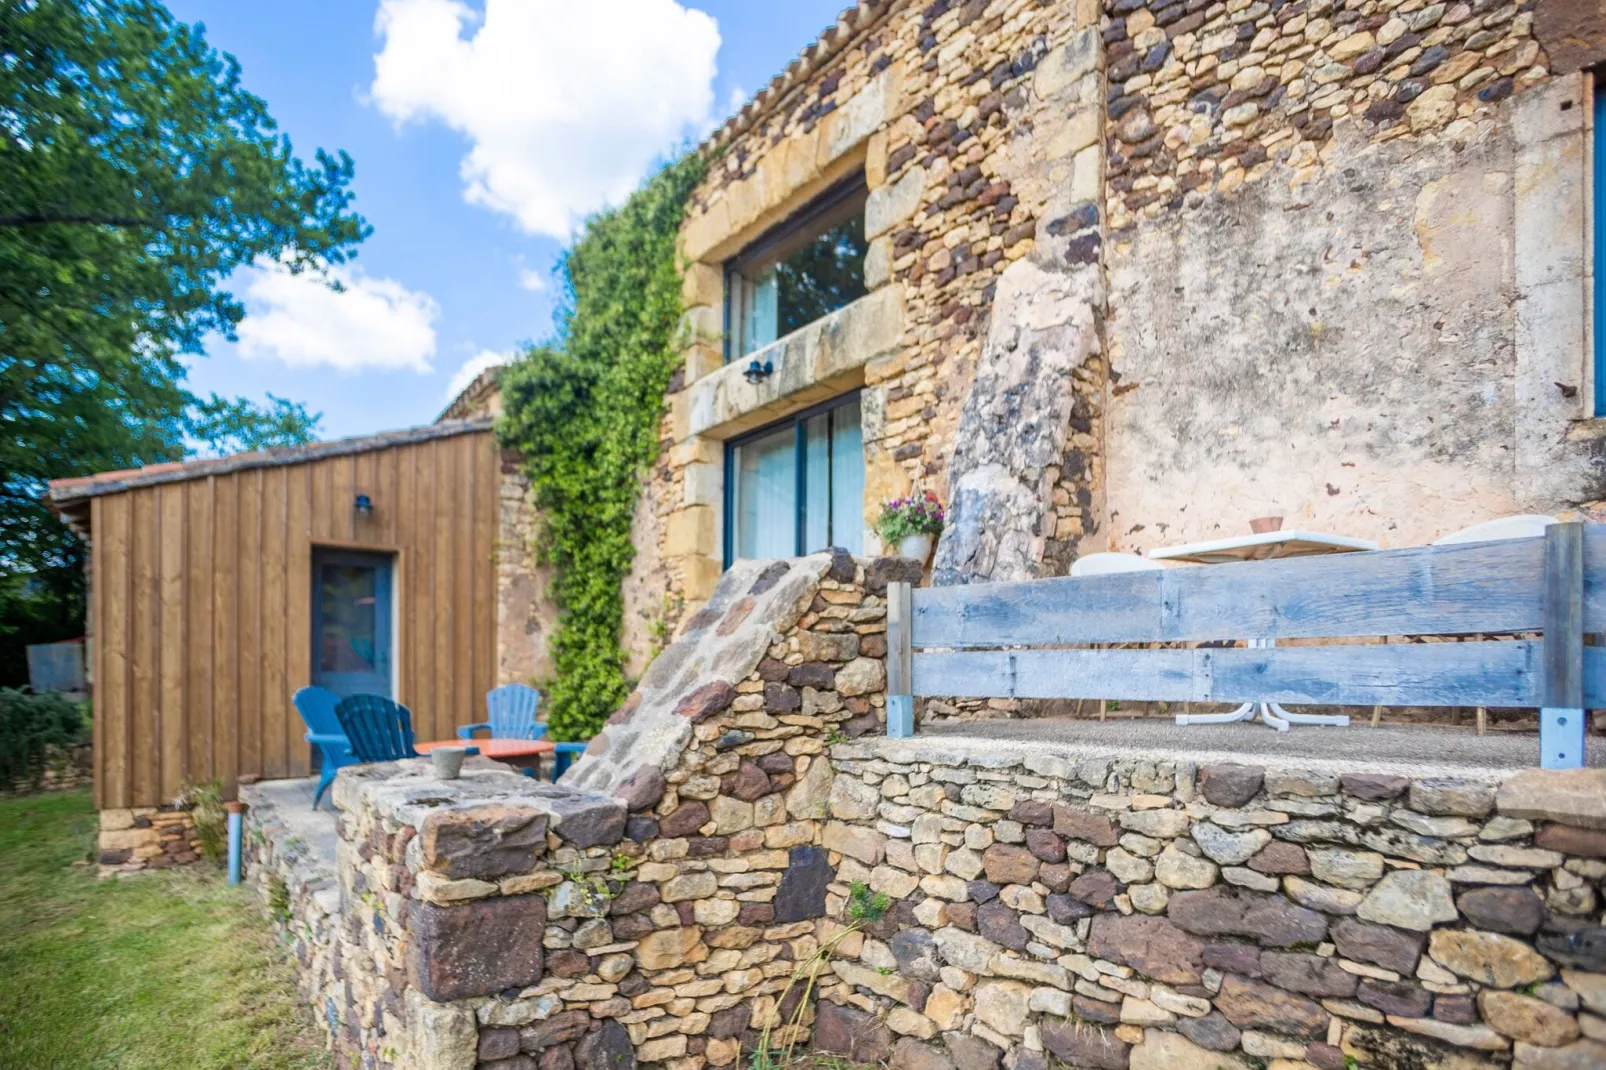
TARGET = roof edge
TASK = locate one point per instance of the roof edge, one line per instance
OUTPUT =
(834, 39)
(66, 492)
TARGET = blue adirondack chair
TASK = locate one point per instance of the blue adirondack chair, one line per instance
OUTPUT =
(511, 712)
(317, 708)
(512, 709)
(379, 730)
(565, 756)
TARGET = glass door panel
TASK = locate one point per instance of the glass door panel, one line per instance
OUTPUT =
(351, 623)
(816, 482)
(798, 487)
(766, 496)
(847, 478)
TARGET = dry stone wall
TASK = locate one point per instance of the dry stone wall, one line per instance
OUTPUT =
(1042, 908)
(145, 837)
(1146, 914)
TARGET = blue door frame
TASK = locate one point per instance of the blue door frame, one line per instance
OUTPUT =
(352, 622)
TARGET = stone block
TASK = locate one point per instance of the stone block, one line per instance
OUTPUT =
(1488, 958)
(441, 1037)
(452, 961)
(483, 841)
(606, 1048)
(888, 206)
(1064, 68)
(1255, 1005)
(803, 886)
(1567, 796)
(1524, 1018)
(690, 531)
(1409, 899)
(1573, 33)
(1153, 946)
(850, 1032)
(1080, 1044)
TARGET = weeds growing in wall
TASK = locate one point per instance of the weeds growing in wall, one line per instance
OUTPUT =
(584, 410)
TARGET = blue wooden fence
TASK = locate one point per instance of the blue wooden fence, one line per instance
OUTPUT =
(1030, 639)
(56, 667)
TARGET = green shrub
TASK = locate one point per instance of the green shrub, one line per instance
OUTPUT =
(29, 726)
(584, 410)
(205, 803)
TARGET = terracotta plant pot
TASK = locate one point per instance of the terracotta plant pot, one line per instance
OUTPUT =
(1263, 524)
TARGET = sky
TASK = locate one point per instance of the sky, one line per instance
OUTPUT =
(484, 132)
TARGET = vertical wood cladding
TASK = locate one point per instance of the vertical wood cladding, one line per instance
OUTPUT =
(203, 607)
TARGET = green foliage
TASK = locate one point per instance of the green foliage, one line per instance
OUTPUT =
(584, 411)
(238, 425)
(43, 606)
(205, 802)
(29, 725)
(918, 514)
(865, 905)
(135, 174)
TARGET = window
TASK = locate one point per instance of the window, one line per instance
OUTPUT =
(1600, 241)
(798, 486)
(807, 267)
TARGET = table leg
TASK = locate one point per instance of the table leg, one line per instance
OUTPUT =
(1336, 720)
(1246, 712)
(1270, 719)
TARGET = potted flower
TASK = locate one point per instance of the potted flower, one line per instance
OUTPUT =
(911, 524)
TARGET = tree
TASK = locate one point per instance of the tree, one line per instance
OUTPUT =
(135, 174)
(235, 425)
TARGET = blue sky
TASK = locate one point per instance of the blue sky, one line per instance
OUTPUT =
(480, 135)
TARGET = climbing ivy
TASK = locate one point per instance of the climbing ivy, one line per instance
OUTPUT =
(584, 410)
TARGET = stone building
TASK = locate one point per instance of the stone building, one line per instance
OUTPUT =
(1111, 276)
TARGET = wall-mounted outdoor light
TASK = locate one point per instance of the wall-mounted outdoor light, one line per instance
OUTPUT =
(364, 505)
(756, 373)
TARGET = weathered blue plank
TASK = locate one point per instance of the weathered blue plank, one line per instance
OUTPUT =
(1489, 588)
(1493, 674)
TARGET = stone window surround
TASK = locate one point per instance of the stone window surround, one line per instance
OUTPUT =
(1552, 126)
(815, 363)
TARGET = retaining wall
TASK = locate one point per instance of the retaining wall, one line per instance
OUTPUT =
(1043, 907)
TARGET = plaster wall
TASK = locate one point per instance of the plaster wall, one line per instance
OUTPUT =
(1342, 352)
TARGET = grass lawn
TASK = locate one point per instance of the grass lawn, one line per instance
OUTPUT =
(172, 970)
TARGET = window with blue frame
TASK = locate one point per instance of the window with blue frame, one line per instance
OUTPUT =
(807, 267)
(797, 486)
(1600, 242)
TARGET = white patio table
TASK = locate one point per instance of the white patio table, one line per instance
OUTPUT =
(1265, 546)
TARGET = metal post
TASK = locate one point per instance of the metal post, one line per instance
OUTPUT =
(900, 663)
(1561, 716)
(235, 809)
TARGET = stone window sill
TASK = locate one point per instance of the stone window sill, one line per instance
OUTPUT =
(812, 363)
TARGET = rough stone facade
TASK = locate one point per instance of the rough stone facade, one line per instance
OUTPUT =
(1094, 910)
(1324, 259)
(1142, 270)
(525, 615)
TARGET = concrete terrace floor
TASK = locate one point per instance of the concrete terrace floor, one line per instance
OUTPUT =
(291, 804)
(1419, 749)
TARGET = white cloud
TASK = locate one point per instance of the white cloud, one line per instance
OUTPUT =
(471, 369)
(532, 280)
(565, 104)
(372, 323)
